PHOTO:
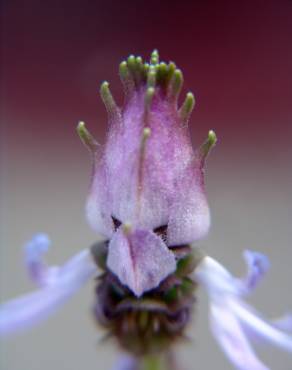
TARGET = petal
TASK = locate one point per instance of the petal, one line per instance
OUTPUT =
(253, 322)
(189, 218)
(98, 211)
(231, 338)
(216, 279)
(258, 264)
(61, 284)
(34, 251)
(140, 259)
(283, 322)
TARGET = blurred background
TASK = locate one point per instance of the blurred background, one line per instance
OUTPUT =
(237, 59)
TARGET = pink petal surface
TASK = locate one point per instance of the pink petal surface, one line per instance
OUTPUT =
(140, 259)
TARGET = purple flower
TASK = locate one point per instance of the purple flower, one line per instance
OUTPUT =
(147, 175)
(147, 199)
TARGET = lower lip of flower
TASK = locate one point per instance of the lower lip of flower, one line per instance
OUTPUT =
(151, 323)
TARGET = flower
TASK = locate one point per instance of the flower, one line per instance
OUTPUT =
(147, 200)
(147, 175)
(233, 321)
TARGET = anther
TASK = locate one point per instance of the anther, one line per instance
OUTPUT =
(86, 137)
(187, 108)
(205, 148)
(108, 100)
(154, 57)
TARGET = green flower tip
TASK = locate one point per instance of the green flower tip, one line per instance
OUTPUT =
(135, 73)
(155, 78)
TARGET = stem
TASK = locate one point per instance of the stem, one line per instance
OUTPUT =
(154, 363)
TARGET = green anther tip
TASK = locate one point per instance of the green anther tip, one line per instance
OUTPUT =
(131, 61)
(154, 57)
(178, 76)
(176, 83)
(212, 138)
(162, 67)
(82, 131)
(139, 60)
(189, 102)
(127, 227)
(81, 125)
(123, 69)
(86, 137)
(146, 133)
(187, 107)
(104, 88)
(208, 145)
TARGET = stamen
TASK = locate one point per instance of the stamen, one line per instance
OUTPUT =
(148, 98)
(139, 68)
(146, 134)
(126, 78)
(154, 57)
(207, 146)
(86, 137)
(151, 78)
(109, 102)
(162, 72)
(175, 85)
(132, 65)
(187, 108)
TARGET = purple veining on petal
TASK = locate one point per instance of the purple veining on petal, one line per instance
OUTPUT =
(140, 259)
(59, 284)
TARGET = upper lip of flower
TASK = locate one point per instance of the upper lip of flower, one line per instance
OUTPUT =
(147, 173)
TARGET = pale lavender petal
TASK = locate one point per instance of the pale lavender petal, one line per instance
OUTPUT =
(232, 319)
(98, 211)
(217, 280)
(61, 284)
(189, 218)
(231, 338)
(126, 362)
(140, 259)
(258, 264)
(283, 323)
(253, 322)
(34, 252)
